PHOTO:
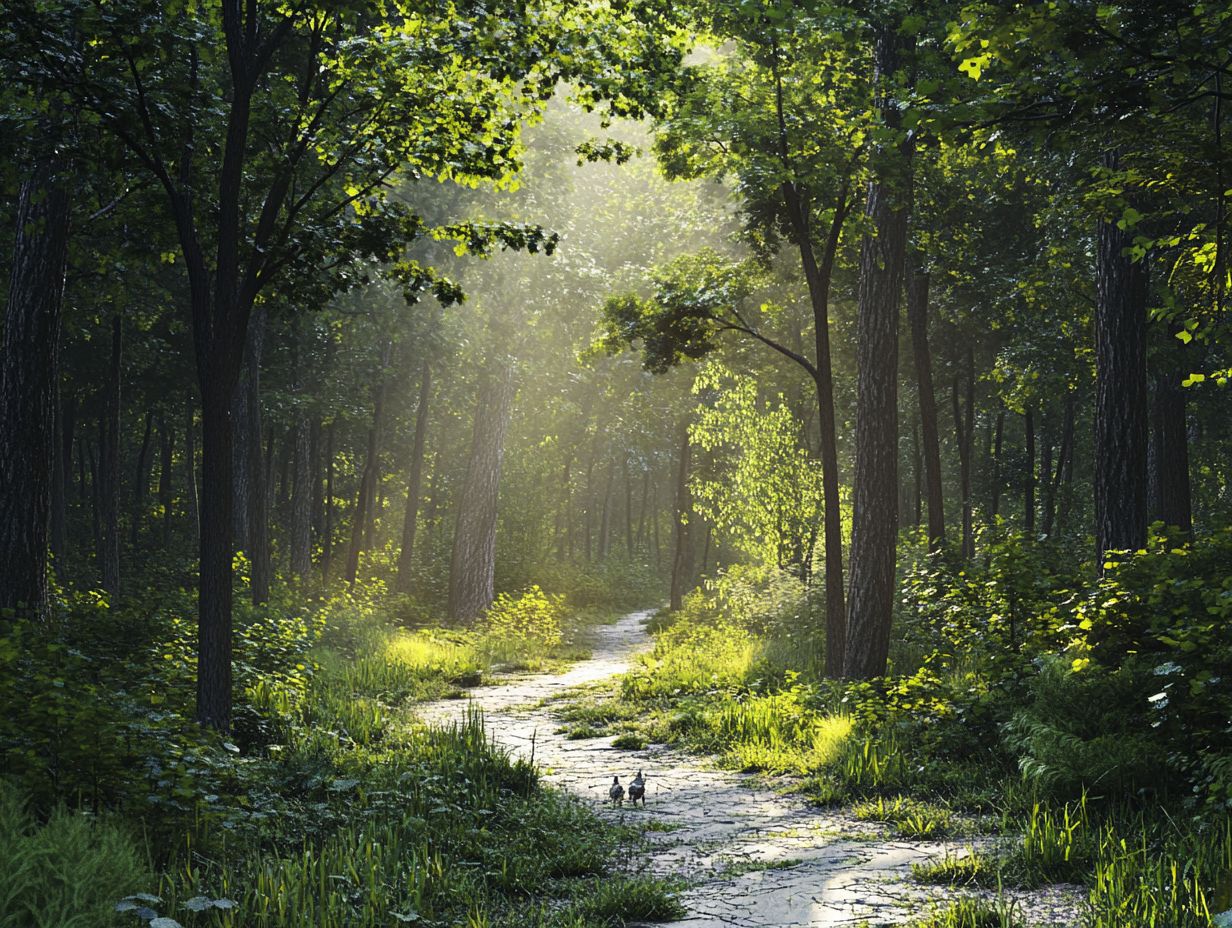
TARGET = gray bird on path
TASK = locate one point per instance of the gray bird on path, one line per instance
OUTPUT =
(637, 789)
(617, 792)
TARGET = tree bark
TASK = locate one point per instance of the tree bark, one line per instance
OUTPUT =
(109, 466)
(327, 530)
(998, 435)
(964, 435)
(410, 519)
(1170, 452)
(818, 277)
(301, 501)
(605, 515)
(141, 478)
(258, 497)
(65, 416)
(1120, 385)
(917, 315)
(1028, 479)
(472, 565)
(365, 497)
(682, 559)
(190, 467)
(29, 372)
(875, 512)
(166, 442)
(628, 509)
(1065, 453)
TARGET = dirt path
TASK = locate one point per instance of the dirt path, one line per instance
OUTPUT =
(751, 857)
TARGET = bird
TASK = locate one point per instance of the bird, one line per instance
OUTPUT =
(637, 789)
(616, 792)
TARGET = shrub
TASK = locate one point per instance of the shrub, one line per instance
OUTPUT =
(68, 872)
(522, 629)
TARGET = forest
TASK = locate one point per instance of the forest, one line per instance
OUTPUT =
(600, 463)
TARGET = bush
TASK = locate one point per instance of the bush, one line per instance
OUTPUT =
(522, 630)
(67, 872)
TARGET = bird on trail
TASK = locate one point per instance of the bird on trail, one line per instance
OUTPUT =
(637, 789)
(617, 792)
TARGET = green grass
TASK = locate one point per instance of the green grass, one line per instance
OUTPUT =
(971, 912)
(66, 872)
(969, 869)
(911, 818)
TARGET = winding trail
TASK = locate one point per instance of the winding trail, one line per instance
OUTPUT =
(752, 857)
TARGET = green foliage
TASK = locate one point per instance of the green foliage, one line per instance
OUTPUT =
(911, 818)
(1059, 845)
(971, 912)
(762, 490)
(522, 630)
(628, 900)
(68, 871)
(329, 808)
(1181, 882)
(970, 869)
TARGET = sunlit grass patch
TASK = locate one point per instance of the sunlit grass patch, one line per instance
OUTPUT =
(452, 653)
(911, 818)
(971, 912)
(971, 869)
(778, 734)
(694, 659)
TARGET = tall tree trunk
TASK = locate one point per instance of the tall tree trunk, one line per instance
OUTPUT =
(318, 495)
(917, 469)
(365, 497)
(61, 476)
(818, 277)
(141, 478)
(109, 466)
(965, 439)
(302, 492)
(327, 530)
(410, 519)
(243, 478)
(166, 447)
(29, 372)
(917, 315)
(875, 513)
(96, 507)
(301, 501)
(641, 513)
(215, 596)
(682, 560)
(628, 509)
(1028, 479)
(998, 435)
(1170, 452)
(605, 515)
(1120, 387)
(258, 498)
(1065, 453)
(472, 565)
(190, 467)
(1067, 468)
(1046, 493)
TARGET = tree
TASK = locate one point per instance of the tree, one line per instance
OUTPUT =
(874, 527)
(29, 373)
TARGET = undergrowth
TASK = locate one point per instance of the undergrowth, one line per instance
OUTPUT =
(326, 805)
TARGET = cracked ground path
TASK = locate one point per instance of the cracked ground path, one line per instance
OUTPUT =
(751, 856)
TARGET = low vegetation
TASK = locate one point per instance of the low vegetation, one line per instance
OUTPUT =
(327, 804)
(1078, 719)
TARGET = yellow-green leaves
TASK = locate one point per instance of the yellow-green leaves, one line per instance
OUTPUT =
(974, 66)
